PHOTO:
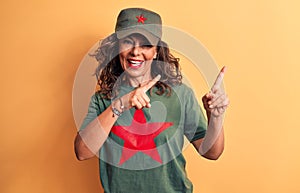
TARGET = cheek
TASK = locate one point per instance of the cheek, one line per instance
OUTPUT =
(153, 53)
(122, 61)
(122, 56)
(149, 55)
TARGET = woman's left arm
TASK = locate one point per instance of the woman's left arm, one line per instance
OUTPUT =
(215, 103)
(212, 145)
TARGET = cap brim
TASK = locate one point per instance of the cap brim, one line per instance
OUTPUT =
(153, 40)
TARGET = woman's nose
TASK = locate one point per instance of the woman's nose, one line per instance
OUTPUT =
(136, 50)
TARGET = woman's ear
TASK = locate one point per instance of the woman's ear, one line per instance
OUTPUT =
(155, 56)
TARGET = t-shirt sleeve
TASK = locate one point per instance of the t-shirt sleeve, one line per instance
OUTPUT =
(195, 123)
(95, 108)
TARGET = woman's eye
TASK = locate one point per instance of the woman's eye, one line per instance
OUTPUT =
(146, 46)
(127, 42)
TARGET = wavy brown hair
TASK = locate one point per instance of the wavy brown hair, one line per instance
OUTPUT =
(109, 69)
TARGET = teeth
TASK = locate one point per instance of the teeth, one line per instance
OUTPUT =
(135, 63)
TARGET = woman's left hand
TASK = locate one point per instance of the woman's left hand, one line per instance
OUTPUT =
(216, 101)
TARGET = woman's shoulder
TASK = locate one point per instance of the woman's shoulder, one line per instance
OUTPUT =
(99, 98)
(183, 88)
(99, 102)
(97, 95)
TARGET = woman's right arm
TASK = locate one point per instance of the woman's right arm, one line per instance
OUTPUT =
(89, 140)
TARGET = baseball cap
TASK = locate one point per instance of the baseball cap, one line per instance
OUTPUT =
(139, 20)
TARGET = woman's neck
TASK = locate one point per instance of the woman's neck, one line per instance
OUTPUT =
(138, 81)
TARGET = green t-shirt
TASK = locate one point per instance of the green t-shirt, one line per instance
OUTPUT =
(143, 153)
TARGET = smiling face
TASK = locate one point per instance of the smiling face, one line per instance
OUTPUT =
(136, 56)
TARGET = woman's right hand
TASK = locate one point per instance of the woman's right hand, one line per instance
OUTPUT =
(138, 97)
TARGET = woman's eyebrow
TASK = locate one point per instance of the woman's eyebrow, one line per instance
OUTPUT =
(142, 41)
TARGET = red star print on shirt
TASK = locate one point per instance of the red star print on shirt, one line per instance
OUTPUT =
(139, 137)
(141, 19)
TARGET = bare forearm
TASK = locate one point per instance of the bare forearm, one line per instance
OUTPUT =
(212, 145)
(90, 140)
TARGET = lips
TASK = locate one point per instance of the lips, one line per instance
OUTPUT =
(133, 63)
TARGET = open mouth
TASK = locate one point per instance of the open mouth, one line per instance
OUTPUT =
(135, 63)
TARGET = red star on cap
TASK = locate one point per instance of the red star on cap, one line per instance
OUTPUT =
(134, 143)
(141, 19)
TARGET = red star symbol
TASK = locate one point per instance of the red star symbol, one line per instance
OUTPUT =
(141, 19)
(139, 137)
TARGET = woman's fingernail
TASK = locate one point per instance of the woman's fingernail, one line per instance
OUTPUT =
(211, 106)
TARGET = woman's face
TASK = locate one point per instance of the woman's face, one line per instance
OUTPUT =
(136, 56)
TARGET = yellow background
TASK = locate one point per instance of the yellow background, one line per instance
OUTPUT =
(43, 42)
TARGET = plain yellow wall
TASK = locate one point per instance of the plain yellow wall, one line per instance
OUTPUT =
(43, 42)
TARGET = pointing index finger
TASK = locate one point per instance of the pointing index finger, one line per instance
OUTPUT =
(152, 83)
(219, 79)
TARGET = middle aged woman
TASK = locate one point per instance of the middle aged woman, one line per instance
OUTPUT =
(138, 118)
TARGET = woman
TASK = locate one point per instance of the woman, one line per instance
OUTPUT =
(139, 117)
